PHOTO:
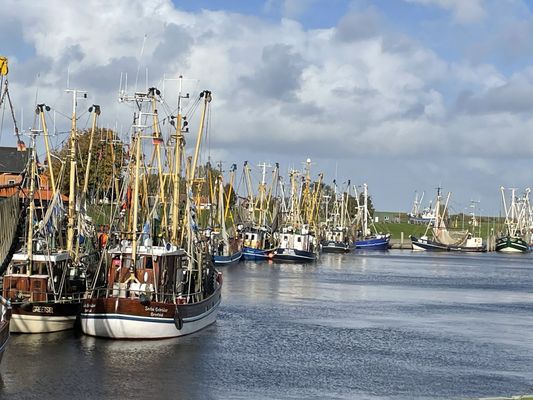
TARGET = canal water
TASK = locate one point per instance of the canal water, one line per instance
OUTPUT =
(391, 325)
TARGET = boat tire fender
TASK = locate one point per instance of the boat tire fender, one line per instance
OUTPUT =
(178, 321)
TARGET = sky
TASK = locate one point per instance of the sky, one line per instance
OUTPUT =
(404, 95)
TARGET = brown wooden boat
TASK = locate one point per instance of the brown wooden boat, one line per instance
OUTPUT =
(42, 302)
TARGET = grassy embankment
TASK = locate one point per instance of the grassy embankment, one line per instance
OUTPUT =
(484, 228)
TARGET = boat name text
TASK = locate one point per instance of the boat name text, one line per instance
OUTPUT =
(43, 309)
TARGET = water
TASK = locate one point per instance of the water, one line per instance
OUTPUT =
(396, 325)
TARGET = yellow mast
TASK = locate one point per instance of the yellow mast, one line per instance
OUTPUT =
(270, 189)
(96, 113)
(87, 168)
(135, 197)
(72, 184)
(230, 189)
(178, 151)
(32, 205)
(314, 203)
(251, 200)
(206, 94)
(157, 140)
(40, 109)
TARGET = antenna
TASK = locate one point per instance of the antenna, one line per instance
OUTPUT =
(140, 57)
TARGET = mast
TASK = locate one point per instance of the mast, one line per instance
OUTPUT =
(314, 201)
(223, 232)
(72, 184)
(365, 209)
(40, 110)
(178, 151)
(275, 177)
(31, 205)
(206, 95)
(262, 194)
(157, 140)
(96, 114)
(251, 202)
(230, 189)
(136, 195)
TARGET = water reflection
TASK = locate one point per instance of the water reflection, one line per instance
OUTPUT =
(396, 325)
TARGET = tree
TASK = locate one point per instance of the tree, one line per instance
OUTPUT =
(101, 170)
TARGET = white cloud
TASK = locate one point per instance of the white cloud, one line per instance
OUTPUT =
(279, 90)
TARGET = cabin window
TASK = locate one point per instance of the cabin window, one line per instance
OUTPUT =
(299, 239)
(149, 263)
(285, 238)
(247, 236)
(11, 182)
(38, 268)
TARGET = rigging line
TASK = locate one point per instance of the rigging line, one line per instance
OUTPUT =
(12, 113)
(2, 120)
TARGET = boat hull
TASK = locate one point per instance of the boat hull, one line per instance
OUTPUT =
(5, 317)
(510, 244)
(221, 261)
(373, 243)
(127, 318)
(250, 253)
(39, 317)
(335, 247)
(294, 255)
(4, 337)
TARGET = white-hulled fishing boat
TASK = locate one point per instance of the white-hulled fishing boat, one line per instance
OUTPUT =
(152, 289)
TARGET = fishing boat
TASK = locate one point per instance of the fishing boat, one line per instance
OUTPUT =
(366, 239)
(442, 238)
(513, 239)
(512, 244)
(258, 227)
(153, 287)
(420, 217)
(44, 280)
(471, 244)
(297, 238)
(335, 236)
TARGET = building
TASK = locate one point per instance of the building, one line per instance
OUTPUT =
(12, 165)
(12, 170)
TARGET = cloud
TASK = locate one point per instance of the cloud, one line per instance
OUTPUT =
(464, 11)
(289, 8)
(279, 75)
(359, 92)
(359, 25)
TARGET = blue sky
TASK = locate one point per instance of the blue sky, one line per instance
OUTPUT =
(402, 94)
